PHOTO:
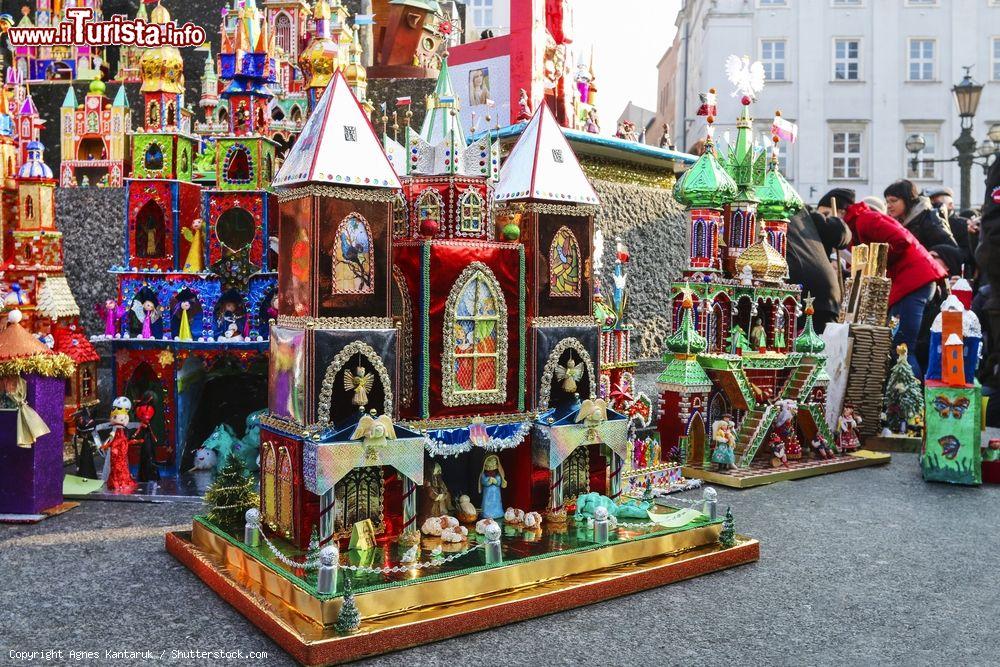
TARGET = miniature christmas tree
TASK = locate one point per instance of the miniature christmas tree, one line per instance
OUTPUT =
(230, 496)
(903, 397)
(348, 620)
(312, 554)
(727, 538)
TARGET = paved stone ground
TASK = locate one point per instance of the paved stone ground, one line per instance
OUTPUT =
(862, 567)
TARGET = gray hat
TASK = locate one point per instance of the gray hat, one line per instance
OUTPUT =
(939, 191)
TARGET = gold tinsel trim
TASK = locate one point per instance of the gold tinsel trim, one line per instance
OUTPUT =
(453, 422)
(579, 210)
(293, 322)
(564, 321)
(50, 365)
(356, 194)
(621, 172)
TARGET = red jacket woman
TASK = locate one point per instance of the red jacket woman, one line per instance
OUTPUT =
(912, 269)
(910, 265)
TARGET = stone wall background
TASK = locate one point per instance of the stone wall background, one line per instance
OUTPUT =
(652, 225)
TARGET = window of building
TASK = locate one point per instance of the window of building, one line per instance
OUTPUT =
(353, 260)
(924, 169)
(921, 3)
(846, 153)
(772, 57)
(921, 60)
(847, 3)
(429, 206)
(481, 13)
(400, 226)
(772, 3)
(475, 352)
(283, 33)
(470, 214)
(564, 264)
(847, 59)
(995, 58)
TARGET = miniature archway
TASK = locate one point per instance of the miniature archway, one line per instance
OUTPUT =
(350, 351)
(238, 165)
(429, 206)
(91, 148)
(470, 213)
(475, 340)
(564, 264)
(268, 483)
(150, 231)
(555, 359)
(152, 158)
(400, 217)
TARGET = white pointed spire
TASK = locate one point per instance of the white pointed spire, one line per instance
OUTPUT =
(337, 145)
(542, 166)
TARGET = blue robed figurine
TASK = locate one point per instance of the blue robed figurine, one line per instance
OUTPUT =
(491, 481)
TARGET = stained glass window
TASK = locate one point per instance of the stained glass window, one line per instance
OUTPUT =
(470, 213)
(475, 337)
(429, 206)
(564, 264)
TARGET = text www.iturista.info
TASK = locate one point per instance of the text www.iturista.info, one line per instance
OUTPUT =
(78, 28)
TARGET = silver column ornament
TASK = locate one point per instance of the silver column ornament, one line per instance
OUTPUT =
(494, 554)
(251, 531)
(329, 560)
(710, 500)
(601, 525)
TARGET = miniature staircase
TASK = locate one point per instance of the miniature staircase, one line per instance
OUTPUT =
(800, 382)
(735, 385)
(814, 414)
(753, 430)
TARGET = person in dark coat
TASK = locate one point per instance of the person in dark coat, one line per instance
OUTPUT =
(943, 200)
(912, 269)
(811, 238)
(905, 204)
(988, 258)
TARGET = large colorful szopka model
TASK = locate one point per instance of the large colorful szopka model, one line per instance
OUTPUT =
(95, 138)
(189, 324)
(415, 347)
(735, 355)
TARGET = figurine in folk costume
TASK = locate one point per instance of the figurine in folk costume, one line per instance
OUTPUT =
(194, 235)
(111, 312)
(847, 429)
(821, 447)
(592, 126)
(778, 456)
(491, 480)
(182, 312)
(724, 452)
(118, 478)
(437, 497)
(146, 439)
(784, 427)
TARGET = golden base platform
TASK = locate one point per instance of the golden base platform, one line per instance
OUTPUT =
(424, 612)
(762, 473)
(41, 516)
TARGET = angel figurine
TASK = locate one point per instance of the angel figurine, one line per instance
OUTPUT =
(193, 261)
(569, 374)
(111, 312)
(146, 315)
(181, 311)
(374, 431)
(360, 383)
(593, 412)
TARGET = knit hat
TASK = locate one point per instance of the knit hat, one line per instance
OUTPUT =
(844, 196)
(903, 189)
(875, 203)
(951, 256)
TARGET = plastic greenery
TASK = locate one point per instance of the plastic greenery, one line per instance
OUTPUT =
(727, 538)
(230, 496)
(349, 619)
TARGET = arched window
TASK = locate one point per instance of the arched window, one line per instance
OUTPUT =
(268, 169)
(402, 309)
(238, 165)
(475, 351)
(564, 264)
(400, 226)
(153, 114)
(150, 231)
(699, 239)
(353, 262)
(29, 208)
(277, 113)
(470, 213)
(296, 113)
(183, 162)
(736, 229)
(153, 158)
(283, 33)
(717, 329)
(429, 206)
(171, 115)
(286, 522)
(268, 484)
(359, 497)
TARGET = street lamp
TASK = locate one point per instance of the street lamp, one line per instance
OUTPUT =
(967, 93)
